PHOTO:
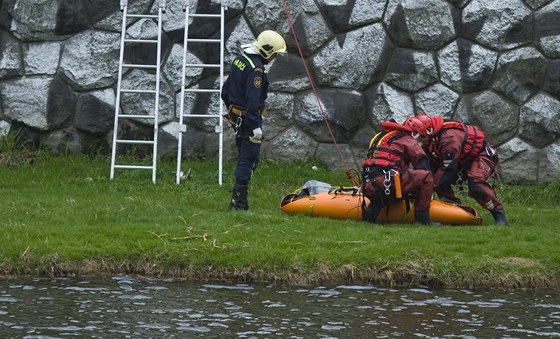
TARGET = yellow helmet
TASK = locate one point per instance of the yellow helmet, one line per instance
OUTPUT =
(269, 43)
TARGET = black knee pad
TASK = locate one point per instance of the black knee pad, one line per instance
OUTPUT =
(475, 191)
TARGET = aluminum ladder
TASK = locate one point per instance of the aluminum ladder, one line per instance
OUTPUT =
(121, 117)
(219, 129)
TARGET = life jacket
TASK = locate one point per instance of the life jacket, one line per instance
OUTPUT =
(380, 153)
(473, 141)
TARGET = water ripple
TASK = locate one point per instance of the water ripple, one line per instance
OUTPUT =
(127, 307)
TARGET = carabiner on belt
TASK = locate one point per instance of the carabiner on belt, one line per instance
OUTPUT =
(237, 126)
(387, 181)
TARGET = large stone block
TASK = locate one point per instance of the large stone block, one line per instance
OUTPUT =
(385, 103)
(90, 59)
(10, 57)
(351, 60)
(411, 70)
(518, 162)
(467, 67)
(520, 74)
(539, 121)
(500, 25)
(424, 24)
(547, 29)
(496, 116)
(338, 115)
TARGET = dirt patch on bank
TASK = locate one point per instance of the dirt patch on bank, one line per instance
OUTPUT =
(14, 159)
(517, 262)
(411, 274)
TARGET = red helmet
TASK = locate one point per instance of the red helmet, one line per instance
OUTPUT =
(427, 122)
(417, 127)
(437, 124)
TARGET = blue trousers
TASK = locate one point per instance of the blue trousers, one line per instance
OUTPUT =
(248, 156)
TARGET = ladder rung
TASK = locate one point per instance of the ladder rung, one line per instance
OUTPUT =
(142, 41)
(140, 66)
(139, 142)
(203, 40)
(144, 16)
(202, 90)
(138, 91)
(134, 167)
(201, 116)
(136, 116)
(198, 15)
(203, 65)
(129, 40)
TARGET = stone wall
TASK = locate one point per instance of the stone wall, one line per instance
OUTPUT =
(494, 63)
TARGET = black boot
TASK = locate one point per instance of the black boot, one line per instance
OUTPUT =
(500, 216)
(370, 213)
(424, 219)
(239, 198)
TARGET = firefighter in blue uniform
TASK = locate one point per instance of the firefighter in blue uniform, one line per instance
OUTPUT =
(244, 94)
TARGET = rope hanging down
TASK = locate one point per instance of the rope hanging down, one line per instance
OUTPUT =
(349, 174)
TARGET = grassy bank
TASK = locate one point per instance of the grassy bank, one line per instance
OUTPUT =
(63, 216)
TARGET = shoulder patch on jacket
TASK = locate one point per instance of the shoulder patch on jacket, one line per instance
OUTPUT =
(257, 81)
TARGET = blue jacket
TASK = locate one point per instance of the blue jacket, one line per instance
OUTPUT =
(247, 88)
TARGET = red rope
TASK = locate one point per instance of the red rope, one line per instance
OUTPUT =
(349, 174)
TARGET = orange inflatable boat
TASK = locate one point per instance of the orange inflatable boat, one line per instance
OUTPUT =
(324, 200)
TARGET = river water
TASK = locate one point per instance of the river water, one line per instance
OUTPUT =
(127, 307)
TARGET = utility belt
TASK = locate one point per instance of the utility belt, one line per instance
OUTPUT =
(236, 110)
(235, 115)
(240, 111)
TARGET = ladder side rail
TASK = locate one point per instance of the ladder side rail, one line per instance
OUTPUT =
(219, 116)
(221, 108)
(156, 105)
(186, 9)
(119, 84)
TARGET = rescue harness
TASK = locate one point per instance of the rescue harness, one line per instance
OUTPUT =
(383, 161)
(473, 141)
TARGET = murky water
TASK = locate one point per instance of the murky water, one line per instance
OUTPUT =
(126, 307)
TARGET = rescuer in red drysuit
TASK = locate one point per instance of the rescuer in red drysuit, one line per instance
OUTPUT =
(396, 151)
(461, 152)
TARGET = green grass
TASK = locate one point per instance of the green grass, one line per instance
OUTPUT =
(63, 215)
